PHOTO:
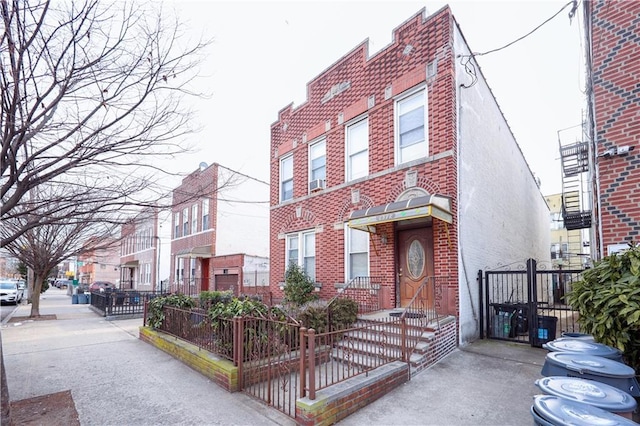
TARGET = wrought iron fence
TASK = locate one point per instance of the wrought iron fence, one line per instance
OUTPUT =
(122, 303)
(195, 326)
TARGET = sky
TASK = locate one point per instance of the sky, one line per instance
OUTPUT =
(264, 53)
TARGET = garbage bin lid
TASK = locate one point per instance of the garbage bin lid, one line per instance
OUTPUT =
(590, 364)
(583, 346)
(590, 392)
(561, 411)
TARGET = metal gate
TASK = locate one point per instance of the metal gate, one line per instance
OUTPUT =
(527, 305)
(268, 361)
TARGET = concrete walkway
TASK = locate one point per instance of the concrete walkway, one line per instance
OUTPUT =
(116, 379)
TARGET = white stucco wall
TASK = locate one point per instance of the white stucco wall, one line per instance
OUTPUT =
(502, 216)
(242, 216)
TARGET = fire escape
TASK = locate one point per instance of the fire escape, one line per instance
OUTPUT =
(576, 213)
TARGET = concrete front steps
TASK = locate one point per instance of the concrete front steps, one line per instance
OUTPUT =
(366, 349)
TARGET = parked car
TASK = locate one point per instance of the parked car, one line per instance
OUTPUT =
(102, 286)
(10, 292)
(62, 283)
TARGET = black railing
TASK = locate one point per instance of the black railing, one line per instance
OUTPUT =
(122, 303)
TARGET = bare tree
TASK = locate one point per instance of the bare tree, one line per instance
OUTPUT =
(91, 99)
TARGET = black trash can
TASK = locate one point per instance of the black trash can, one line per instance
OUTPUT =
(545, 330)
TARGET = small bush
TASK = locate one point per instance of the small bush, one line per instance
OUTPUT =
(298, 286)
(608, 299)
(211, 298)
(155, 315)
(314, 315)
(344, 313)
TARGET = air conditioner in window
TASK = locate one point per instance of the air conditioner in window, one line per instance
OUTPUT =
(316, 185)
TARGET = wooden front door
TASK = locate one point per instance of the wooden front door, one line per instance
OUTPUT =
(204, 273)
(415, 261)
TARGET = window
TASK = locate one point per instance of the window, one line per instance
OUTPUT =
(318, 161)
(556, 221)
(205, 214)
(560, 251)
(147, 273)
(286, 178)
(194, 219)
(185, 221)
(176, 225)
(179, 269)
(301, 249)
(192, 271)
(357, 253)
(411, 134)
(358, 150)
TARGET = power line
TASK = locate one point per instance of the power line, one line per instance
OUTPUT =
(571, 14)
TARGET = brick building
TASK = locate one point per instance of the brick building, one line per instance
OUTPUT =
(217, 212)
(401, 166)
(613, 67)
(101, 263)
(139, 252)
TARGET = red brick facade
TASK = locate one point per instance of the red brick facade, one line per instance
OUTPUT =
(198, 244)
(357, 86)
(615, 118)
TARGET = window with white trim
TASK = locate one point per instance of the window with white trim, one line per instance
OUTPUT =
(147, 273)
(318, 161)
(179, 269)
(205, 214)
(357, 150)
(411, 129)
(185, 221)
(194, 219)
(176, 224)
(301, 249)
(286, 178)
(357, 253)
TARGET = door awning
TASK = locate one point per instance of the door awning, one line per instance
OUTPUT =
(131, 264)
(193, 252)
(436, 206)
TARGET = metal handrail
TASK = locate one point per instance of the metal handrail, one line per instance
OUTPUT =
(352, 285)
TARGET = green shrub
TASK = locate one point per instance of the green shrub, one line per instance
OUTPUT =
(314, 315)
(344, 313)
(298, 286)
(155, 315)
(608, 300)
(211, 298)
(237, 307)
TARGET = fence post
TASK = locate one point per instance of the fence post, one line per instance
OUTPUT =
(403, 337)
(144, 312)
(238, 350)
(312, 364)
(481, 300)
(303, 362)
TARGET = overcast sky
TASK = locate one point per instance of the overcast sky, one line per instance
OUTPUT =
(264, 54)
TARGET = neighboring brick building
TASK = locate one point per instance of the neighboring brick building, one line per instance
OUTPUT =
(613, 70)
(217, 212)
(99, 264)
(410, 145)
(139, 255)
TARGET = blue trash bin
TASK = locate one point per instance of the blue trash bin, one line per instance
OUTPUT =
(551, 410)
(590, 392)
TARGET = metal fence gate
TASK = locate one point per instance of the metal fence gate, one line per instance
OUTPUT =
(527, 304)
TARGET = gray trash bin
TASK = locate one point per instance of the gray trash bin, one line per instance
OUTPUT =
(551, 410)
(590, 392)
(584, 347)
(581, 336)
(590, 367)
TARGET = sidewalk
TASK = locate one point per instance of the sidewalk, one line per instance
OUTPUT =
(116, 379)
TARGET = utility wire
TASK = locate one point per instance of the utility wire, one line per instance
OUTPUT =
(571, 14)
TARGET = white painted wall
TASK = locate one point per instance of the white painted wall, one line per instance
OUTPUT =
(502, 216)
(242, 216)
